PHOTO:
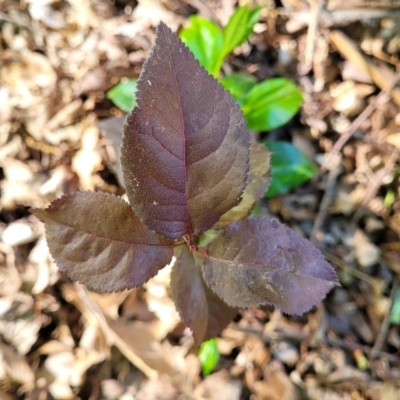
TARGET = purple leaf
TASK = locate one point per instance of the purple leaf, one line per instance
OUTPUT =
(257, 184)
(261, 261)
(96, 239)
(201, 310)
(185, 150)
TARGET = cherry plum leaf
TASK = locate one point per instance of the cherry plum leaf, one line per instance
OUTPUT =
(199, 307)
(261, 261)
(185, 146)
(257, 184)
(96, 239)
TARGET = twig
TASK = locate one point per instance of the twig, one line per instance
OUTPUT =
(316, 8)
(5, 17)
(355, 272)
(365, 349)
(334, 171)
(336, 342)
(380, 98)
(385, 324)
(375, 184)
(333, 160)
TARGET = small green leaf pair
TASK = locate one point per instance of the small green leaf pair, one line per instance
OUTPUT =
(266, 105)
(210, 45)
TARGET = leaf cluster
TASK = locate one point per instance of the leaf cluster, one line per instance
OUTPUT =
(266, 105)
(188, 168)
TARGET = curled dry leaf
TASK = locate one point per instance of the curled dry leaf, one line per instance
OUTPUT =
(97, 239)
(15, 368)
(185, 126)
(199, 307)
(261, 261)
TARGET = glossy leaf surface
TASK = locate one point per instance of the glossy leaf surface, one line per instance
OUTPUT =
(123, 95)
(185, 149)
(271, 103)
(96, 239)
(261, 261)
(290, 167)
(204, 38)
(199, 307)
(238, 85)
(239, 27)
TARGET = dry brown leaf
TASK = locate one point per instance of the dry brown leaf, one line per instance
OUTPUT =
(133, 339)
(14, 367)
(228, 389)
(367, 253)
(87, 160)
(382, 77)
(22, 333)
(112, 131)
(276, 384)
(160, 303)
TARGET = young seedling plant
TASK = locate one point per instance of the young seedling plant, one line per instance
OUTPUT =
(188, 167)
(266, 105)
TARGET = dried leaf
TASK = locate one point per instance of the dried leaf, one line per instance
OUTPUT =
(87, 160)
(96, 239)
(261, 261)
(14, 367)
(185, 125)
(200, 308)
(112, 130)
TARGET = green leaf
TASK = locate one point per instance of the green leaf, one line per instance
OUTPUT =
(290, 167)
(239, 27)
(238, 85)
(271, 104)
(123, 95)
(204, 39)
(208, 356)
(395, 313)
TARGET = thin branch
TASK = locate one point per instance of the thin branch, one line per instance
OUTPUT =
(316, 8)
(381, 98)
(375, 351)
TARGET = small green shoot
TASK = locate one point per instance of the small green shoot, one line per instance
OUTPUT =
(389, 198)
(395, 313)
(290, 167)
(239, 27)
(123, 95)
(210, 45)
(271, 104)
(209, 356)
(238, 85)
(205, 40)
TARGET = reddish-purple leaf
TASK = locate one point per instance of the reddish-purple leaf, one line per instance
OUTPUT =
(261, 261)
(200, 308)
(96, 239)
(185, 149)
